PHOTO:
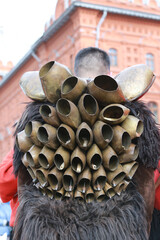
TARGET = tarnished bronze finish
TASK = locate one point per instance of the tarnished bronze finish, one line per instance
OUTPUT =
(46, 157)
(121, 139)
(23, 142)
(99, 178)
(62, 158)
(42, 175)
(84, 136)
(72, 88)
(47, 134)
(133, 126)
(130, 169)
(108, 189)
(130, 154)
(68, 112)
(31, 86)
(68, 195)
(78, 160)
(32, 173)
(89, 195)
(59, 194)
(126, 183)
(25, 161)
(88, 108)
(106, 90)
(55, 179)
(69, 179)
(52, 74)
(119, 188)
(110, 158)
(49, 115)
(103, 134)
(78, 195)
(49, 192)
(135, 81)
(31, 130)
(66, 136)
(32, 156)
(115, 177)
(100, 195)
(94, 157)
(84, 180)
(114, 114)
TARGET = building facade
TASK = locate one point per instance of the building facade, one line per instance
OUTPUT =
(129, 30)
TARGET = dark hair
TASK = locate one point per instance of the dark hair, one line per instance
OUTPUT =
(86, 55)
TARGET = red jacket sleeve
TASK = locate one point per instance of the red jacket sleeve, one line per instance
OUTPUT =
(8, 182)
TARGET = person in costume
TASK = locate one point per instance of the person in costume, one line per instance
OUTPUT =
(8, 182)
(121, 217)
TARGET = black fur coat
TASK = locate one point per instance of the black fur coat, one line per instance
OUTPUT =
(120, 218)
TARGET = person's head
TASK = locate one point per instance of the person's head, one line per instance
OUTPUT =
(91, 62)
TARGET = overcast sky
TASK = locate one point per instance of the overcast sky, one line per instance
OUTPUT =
(21, 24)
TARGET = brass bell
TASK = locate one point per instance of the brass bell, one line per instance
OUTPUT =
(47, 134)
(32, 156)
(108, 189)
(106, 90)
(46, 157)
(130, 169)
(62, 158)
(100, 195)
(99, 178)
(94, 157)
(52, 74)
(103, 134)
(133, 126)
(114, 114)
(66, 136)
(49, 192)
(72, 88)
(78, 195)
(31, 130)
(130, 154)
(55, 179)
(68, 113)
(110, 158)
(115, 177)
(84, 180)
(78, 160)
(42, 175)
(69, 179)
(59, 194)
(25, 161)
(84, 136)
(49, 115)
(121, 139)
(31, 86)
(23, 142)
(135, 81)
(89, 195)
(88, 108)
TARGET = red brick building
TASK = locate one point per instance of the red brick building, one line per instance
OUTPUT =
(129, 30)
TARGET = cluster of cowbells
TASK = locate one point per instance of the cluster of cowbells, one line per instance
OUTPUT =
(85, 148)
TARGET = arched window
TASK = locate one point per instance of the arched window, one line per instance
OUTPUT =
(150, 60)
(113, 56)
(154, 109)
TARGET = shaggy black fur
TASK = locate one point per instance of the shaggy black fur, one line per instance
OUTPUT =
(149, 142)
(31, 113)
(120, 218)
